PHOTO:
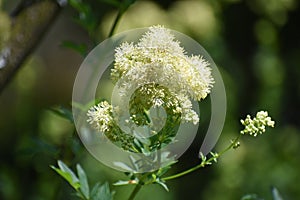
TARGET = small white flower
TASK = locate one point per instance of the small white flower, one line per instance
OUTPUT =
(158, 102)
(258, 124)
(191, 116)
(100, 116)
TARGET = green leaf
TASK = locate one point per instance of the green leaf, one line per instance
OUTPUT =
(65, 168)
(114, 3)
(163, 170)
(95, 191)
(251, 197)
(67, 174)
(86, 18)
(275, 194)
(80, 48)
(124, 166)
(134, 163)
(35, 145)
(202, 156)
(79, 5)
(163, 184)
(84, 186)
(63, 112)
(75, 145)
(101, 192)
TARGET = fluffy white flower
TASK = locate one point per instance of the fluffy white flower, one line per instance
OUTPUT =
(160, 39)
(159, 58)
(154, 72)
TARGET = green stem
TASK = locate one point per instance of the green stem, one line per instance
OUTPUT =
(139, 185)
(113, 28)
(183, 173)
(122, 9)
(203, 164)
(82, 195)
(135, 191)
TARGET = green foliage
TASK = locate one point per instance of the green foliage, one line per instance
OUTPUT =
(67, 174)
(251, 197)
(79, 48)
(86, 17)
(84, 186)
(275, 195)
(89, 19)
(155, 177)
(79, 182)
(63, 112)
(36, 145)
(101, 192)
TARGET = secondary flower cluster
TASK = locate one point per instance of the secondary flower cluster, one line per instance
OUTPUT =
(100, 116)
(258, 124)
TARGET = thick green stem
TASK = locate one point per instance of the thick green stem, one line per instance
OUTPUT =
(135, 191)
(141, 182)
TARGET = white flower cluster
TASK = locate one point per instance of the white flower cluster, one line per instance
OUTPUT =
(158, 58)
(100, 116)
(258, 124)
(155, 72)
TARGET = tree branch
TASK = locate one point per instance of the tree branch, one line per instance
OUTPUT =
(28, 27)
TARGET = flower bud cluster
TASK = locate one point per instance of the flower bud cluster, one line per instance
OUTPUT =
(258, 124)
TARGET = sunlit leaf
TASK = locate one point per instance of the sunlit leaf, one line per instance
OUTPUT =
(84, 186)
(67, 174)
(123, 166)
(163, 184)
(251, 197)
(275, 194)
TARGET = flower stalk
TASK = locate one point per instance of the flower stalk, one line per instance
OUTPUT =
(135, 191)
(205, 162)
(254, 126)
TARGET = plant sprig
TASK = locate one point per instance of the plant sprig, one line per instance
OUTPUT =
(80, 184)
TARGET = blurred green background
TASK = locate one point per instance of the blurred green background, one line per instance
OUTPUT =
(255, 44)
